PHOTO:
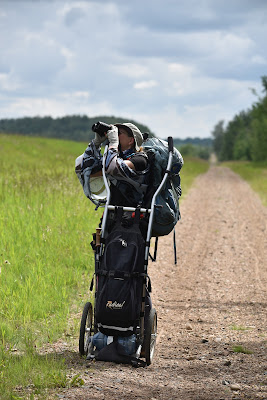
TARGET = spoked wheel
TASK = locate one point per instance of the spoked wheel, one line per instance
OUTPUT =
(86, 328)
(150, 336)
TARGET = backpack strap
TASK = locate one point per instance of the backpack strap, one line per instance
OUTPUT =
(174, 246)
(119, 213)
(121, 274)
(137, 216)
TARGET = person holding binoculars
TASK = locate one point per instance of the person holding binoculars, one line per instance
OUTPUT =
(127, 166)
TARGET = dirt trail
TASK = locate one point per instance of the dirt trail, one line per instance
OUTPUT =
(212, 300)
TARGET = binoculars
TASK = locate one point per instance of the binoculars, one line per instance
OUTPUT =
(101, 128)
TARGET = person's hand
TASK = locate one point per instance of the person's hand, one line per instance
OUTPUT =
(113, 137)
(98, 140)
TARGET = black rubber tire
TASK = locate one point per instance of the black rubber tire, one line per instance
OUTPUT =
(86, 328)
(150, 336)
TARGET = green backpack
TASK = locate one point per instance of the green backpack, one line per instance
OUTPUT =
(167, 212)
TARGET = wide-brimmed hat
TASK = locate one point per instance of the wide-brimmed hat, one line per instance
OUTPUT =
(98, 189)
(133, 130)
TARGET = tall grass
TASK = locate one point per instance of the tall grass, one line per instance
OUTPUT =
(191, 169)
(46, 260)
(254, 173)
(45, 256)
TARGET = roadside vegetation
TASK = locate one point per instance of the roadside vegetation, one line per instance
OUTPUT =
(245, 137)
(255, 173)
(192, 168)
(196, 151)
(242, 143)
(46, 261)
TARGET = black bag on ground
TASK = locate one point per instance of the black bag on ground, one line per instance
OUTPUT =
(120, 280)
(114, 352)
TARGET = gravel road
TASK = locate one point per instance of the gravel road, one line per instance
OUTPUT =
(211, 303)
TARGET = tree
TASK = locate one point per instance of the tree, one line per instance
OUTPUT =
(264, 84)
(218, 134)
(73, 127)
(259, 129)
(245, 137)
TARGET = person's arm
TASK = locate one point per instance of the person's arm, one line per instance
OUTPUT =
(130, 164)
(127, 162)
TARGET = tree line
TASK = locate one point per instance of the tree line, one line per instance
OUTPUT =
(194, 147)
(244, 137)
(79, 128)
(73, 127)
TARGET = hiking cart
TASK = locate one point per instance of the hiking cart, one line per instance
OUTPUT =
(139, 335)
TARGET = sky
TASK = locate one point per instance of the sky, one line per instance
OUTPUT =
(177, 66)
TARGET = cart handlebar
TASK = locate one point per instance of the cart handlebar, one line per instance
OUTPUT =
(132, 209)
(170, 144)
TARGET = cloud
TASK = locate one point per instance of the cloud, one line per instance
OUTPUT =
(9, 83)
(260, 60)
(56, 106)
(131, 70)
(145, 84)
(74, 15)
(178, 66)
(194, 15)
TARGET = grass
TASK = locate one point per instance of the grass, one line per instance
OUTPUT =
(46, 262)
(191, 169)
(239, 328)
(241, 349)
(38, 372)
(254, 173)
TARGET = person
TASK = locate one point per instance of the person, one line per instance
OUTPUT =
(127, 166)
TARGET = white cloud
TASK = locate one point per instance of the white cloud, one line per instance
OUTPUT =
(171, 65)
(131, 70)
(9, 83)
(145, 84)
(257, 59)
(80, 96)
(65, 104)
(179, 69)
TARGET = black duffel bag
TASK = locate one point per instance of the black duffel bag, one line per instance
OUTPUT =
(120, 279)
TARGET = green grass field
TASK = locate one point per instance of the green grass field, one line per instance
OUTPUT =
(192, 167)
(254, 173)
(46, 261)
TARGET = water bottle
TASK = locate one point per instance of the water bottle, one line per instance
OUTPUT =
(128, 343)
(99, 340)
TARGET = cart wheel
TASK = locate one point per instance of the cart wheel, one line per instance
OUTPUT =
(150, 336)
(86, 328)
